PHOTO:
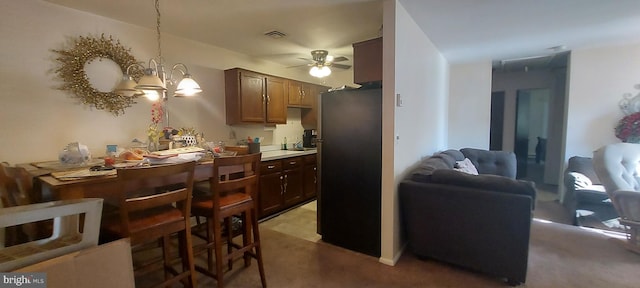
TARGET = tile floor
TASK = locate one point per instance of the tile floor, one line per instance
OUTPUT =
(299, 222)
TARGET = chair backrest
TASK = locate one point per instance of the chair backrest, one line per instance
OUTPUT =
(239, 174)
(617, 166)
(168, 184)
(16, 187)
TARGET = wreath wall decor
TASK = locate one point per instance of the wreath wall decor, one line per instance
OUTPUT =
(71, 71)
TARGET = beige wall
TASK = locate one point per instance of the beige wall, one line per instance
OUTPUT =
(599, 77)
(38, 120)
(414, 68)
(469, 105)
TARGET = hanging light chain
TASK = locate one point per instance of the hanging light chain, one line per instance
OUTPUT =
(158, 30)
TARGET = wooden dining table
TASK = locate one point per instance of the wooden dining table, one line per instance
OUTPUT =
(105, 187)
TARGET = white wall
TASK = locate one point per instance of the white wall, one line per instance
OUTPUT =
(38, 120)
(420, 124)
(598, 80)
(469, 105)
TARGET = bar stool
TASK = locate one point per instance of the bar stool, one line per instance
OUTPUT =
(233, 191)
(154, 203)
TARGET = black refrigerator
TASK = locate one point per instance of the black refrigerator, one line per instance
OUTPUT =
(350, 165)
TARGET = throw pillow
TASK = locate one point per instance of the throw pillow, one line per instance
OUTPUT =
(580, 180)
(466, 166)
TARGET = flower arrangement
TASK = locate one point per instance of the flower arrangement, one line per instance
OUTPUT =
(628, 128)
(153, 132)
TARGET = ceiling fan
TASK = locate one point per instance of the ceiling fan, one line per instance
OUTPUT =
(321, 60)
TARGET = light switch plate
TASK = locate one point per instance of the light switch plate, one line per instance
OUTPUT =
(399, 100)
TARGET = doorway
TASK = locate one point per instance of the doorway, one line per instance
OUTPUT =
(530, 141)
(531, 91)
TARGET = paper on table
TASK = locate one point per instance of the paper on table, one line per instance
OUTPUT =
(83, 173)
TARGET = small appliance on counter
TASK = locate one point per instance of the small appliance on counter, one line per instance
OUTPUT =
(309, 138)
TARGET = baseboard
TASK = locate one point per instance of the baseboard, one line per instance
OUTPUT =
(392, 262)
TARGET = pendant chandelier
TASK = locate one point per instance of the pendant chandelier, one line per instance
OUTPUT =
(153, 84)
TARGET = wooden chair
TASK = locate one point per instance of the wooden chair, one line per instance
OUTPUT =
(234, 189)
(155, 203)
(16, 189)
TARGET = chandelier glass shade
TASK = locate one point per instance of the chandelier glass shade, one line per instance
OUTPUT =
(153, 84)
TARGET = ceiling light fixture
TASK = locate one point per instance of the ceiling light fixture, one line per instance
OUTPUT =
(320, 71)
(320, 67)
(153, 84)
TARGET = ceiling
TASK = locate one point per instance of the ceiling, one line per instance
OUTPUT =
(463, 30)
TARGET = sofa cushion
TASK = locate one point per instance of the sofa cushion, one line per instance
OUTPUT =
(423, 172)
(501, 163)
(580, 180)
(485, 182)
(456, 155)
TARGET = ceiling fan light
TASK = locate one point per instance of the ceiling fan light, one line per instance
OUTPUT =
(320, 72)
(187, 87)
(325, 71)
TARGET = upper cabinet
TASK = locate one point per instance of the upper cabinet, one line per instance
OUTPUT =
(367, 61)
(254, 98)
(310, 116)
(300, 94)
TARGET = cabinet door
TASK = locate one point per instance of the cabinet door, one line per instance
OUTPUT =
(252, 97)
(310, 116)
(292, 187)
(309, 92)
(292, 170)
(367, 61)
(270, 194)
(310, 181)
(294, 95)
(276, 103)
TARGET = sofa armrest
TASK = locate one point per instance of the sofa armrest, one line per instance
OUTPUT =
(481, 229)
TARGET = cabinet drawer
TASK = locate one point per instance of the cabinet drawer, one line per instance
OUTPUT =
(291, 163)
(271, 167)
(310, 159)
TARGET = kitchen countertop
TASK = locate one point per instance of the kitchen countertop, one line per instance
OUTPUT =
(281, 154)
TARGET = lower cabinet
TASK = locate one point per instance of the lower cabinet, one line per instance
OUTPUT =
(309, 173)
(283, 184)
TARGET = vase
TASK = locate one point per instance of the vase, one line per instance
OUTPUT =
(153, 144)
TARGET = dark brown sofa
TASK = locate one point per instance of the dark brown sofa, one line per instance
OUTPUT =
(481, 222)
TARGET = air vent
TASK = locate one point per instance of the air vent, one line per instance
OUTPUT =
(275, 34)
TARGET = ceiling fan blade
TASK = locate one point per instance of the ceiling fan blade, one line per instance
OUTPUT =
(341, 66)
(340, 59)
(301, 65)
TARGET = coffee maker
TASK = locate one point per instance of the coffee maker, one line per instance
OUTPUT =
(309, 138)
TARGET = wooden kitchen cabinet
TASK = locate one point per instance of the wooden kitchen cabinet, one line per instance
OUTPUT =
(281, 183)
(252, 97)
(367, 61)
(292, 184)
(276, 103)
(309, 174)
(310, 116)
(270, 194)
(299, 94)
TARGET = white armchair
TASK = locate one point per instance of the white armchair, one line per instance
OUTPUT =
(618, 167)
